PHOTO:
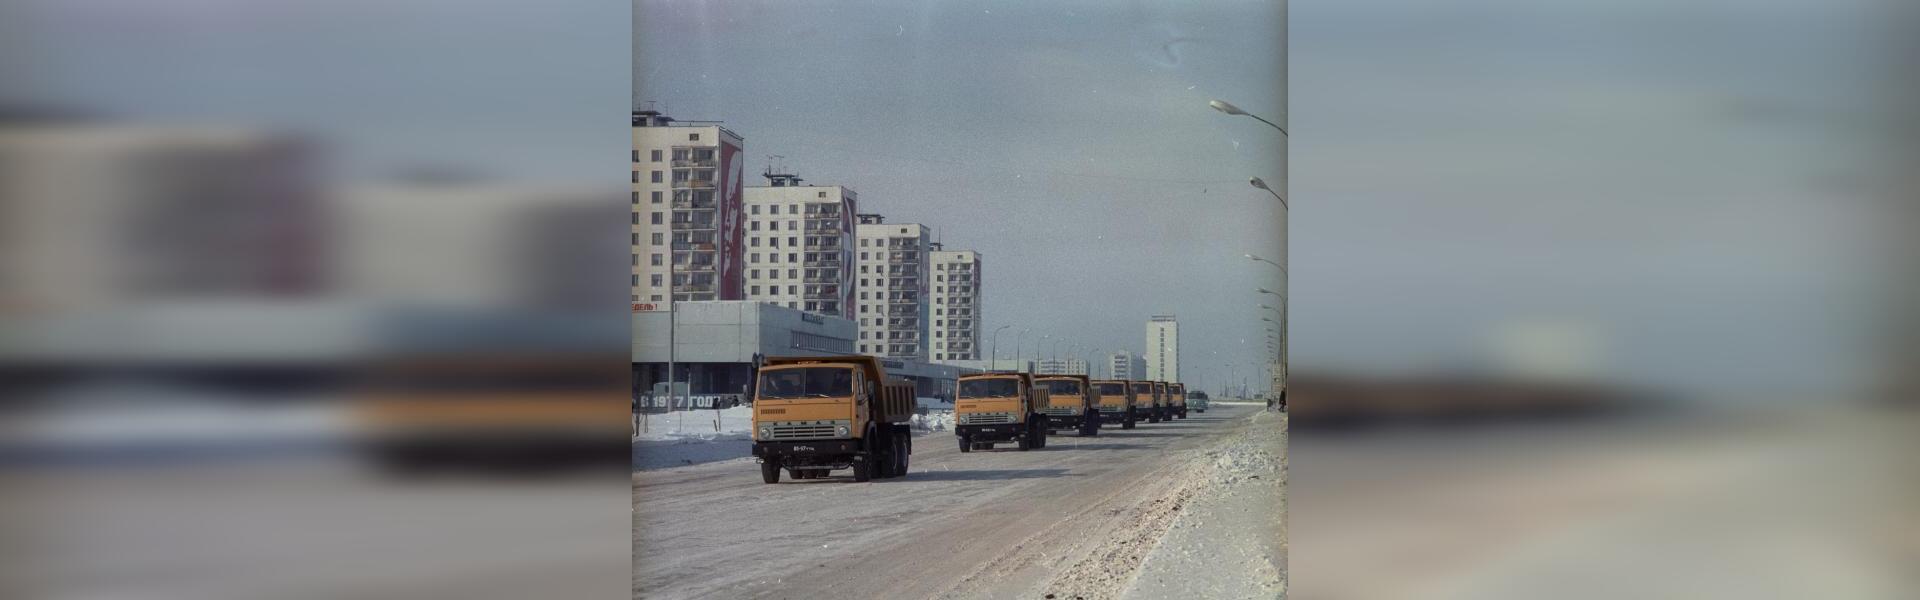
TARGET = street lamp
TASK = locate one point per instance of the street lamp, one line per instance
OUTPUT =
(996, 348)
(1017, 341)
(1223, 106)
(1283, 268)
(1256, 182)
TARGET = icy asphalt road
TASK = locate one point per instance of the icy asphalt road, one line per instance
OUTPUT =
(1076, 519)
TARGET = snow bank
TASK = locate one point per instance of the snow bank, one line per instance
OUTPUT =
(697, 425)
(938, 420)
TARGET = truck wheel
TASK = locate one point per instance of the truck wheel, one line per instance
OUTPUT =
(1025, 442)
(770, 472)
(966, 445)
(863, 470)
(1127, 424)
(900, 452)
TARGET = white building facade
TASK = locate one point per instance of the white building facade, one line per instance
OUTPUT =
(956, 304)
(800, 246)
(1060, 366)
(1163, 349)
(687, 221)
(1125, 365)
(892, 288)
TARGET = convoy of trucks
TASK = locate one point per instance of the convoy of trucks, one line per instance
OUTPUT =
(1072, 404)
(997, 407)
(813, 415)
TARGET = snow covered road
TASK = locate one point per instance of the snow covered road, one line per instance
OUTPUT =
(1076, 519)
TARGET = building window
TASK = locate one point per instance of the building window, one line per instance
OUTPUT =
(793, 257)
(636, 281)
(636, 218)
(657, 257)
(636, 197)
(755, 257)
(773, 257)
(793, 273)
(636, 177)
(659, 218)
(755, 290)
(656, 177)
(656, 197)
(754, 241)
(792, 241)
(755, 274)
(655, 278)
(656, 156)
(773, 241)
(755, 208)
(693, 137)
(659, 239)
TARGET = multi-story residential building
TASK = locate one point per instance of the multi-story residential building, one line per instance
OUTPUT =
(800, 244)
(1060, 366)
(956, 304)
(1163, 349)
(1125, 365)
(892, 288)
(687, 224)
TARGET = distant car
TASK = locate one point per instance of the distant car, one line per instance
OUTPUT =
(1197, 401)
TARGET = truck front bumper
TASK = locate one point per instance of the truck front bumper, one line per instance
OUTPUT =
(808, 448)
(1065, 421)
(991, 433)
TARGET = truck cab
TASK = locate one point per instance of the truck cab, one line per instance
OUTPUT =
(999, 407)
(1146, 404)
(1115, 402)
(814, 415)
(1177, 400)
(1162, 403)
(1197, 400)
(1071, 404)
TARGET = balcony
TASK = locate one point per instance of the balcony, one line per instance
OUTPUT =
(696, 163)
(697, 184)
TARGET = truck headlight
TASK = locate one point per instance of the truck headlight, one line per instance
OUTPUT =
(840, 431)
(766, 432)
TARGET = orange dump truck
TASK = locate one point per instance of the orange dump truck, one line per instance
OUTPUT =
(812, 415)
(1115, 402)
(1177, 400)
(1146, 401)
(1071, 403)
(1000, 407)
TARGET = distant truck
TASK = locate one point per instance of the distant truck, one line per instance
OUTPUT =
(1115, 402)
(1197, 400)
(1071, 404)
(1177, 400)
(1146, 404)
(1000, 407)
(1163, 401)
(812, 415)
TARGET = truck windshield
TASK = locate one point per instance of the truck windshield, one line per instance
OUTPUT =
(1143, 388)
(1062, 386)
(990, 388)
(811, 382)
(1113, 389)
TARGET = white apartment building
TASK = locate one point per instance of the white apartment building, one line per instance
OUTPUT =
(1060, 366)
(800, 245)
(1124, 365)
(1163, 349)
(956, 304)
(892, 288)
(687, 179)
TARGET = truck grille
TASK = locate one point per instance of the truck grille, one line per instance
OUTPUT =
(985, 418)
(1062, 412)
(803, 430)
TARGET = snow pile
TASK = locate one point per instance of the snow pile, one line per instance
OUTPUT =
(941, 420)
(697, 425)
